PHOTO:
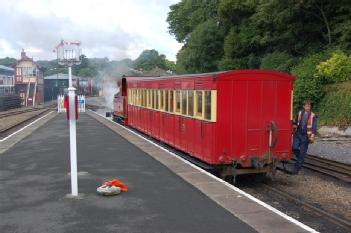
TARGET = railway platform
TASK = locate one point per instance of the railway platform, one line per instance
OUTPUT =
(166, 193)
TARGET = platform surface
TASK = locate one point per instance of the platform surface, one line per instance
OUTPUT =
(34, 181)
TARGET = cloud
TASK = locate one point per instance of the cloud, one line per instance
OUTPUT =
(110, 28)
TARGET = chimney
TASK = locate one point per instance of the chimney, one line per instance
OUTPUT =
(23, 54)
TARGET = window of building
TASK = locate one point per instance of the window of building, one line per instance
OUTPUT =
(191, 103)
(198, 103)
(184, 102)
(208, 105)
(177, 100)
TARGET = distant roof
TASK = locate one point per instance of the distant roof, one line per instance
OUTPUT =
(4, 70)
(60, 76)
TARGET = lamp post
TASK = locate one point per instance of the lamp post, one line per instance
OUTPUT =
(68, 53)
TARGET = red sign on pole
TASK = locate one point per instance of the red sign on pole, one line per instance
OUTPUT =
(66, 105)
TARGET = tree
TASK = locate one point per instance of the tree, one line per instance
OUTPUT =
(150, 59)
(7, 61)
(203, 49)
(186, 15)
(280, 61)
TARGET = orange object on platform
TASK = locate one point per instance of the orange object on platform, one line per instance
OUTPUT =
(117, 183)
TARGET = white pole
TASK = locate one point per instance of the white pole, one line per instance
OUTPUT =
(72, 135)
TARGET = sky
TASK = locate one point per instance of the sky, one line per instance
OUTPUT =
(116, 29)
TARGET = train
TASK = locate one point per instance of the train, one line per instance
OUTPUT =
(234, 122)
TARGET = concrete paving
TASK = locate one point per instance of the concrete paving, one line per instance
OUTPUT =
(34, 182)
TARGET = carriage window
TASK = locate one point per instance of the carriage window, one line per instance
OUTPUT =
(166, 101)
(145, 98)
(161, 100)
(177, 100)
(151, 99)
(156, 99)
(128, 96)
(132, 96)
(139, 97)
(191, 103)
(208, 105)
(136, 97)
(198, 103)
(184, 103)
(171, 101)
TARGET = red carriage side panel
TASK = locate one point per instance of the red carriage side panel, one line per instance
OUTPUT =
(258, 100)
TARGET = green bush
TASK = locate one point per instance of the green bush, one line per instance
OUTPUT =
(307, 85)
(335, 107)
(336, 69)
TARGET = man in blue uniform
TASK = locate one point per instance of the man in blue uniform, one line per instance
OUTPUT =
(305, 129)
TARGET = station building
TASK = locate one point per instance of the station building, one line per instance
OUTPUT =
(28, 80)
(57, 84)
(7, 86)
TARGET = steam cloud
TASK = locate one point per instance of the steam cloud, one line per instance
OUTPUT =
(108, 79)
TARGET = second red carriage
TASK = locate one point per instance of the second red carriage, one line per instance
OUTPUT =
(236, 121)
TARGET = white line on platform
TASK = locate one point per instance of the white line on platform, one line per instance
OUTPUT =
(1, 140)
(271, 208)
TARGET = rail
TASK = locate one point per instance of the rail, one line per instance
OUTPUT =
(319, 211)
(341, 171)
(7, 114)
(5, 130)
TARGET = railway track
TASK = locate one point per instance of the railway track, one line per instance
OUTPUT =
(341, 171)
(318, 211)
(12, 113)
(8, 128)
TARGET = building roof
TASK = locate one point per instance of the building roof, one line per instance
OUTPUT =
(60, 76)
(24, 57)
(4, 70)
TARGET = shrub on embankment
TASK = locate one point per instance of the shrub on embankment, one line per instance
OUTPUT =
(335, 106)
(324, 78)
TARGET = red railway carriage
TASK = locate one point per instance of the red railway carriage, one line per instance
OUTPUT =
(239, 121)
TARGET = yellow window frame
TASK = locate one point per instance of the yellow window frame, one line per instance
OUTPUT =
(187, 104)
(170, 102)
(161, 103)
(177, 111)
(196, 103)
(213, 105)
